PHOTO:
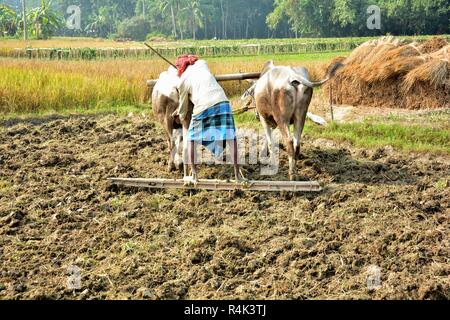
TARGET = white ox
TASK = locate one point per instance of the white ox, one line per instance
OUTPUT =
(165, 99)
(283, 95)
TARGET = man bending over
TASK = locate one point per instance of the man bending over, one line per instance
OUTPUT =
(212, 123)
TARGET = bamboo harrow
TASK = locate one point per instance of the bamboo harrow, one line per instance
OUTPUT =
(220, 185)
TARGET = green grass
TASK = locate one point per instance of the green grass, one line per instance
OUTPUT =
(442, 184)
(415, 133)
(410, 138)
(300, 57)
(248, 120)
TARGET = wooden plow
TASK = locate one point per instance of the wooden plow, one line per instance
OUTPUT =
(220, 185)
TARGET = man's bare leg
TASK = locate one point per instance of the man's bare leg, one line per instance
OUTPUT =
(192, 179)
(192, 161)
(185, 154)
(234, 158)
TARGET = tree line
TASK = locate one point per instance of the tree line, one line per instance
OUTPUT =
(226, 19)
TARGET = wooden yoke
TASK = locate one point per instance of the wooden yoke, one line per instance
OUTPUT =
(223, 77)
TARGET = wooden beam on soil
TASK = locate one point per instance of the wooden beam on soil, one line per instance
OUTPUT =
(220, 185)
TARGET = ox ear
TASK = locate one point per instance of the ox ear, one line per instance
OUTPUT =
(295, 83)
(298, 76)
(267, 67)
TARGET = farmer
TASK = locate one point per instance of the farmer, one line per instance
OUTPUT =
(212, 123)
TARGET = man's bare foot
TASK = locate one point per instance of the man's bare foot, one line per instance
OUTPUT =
(190, 181)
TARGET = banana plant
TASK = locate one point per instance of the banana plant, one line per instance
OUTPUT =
(44, 21)
(8, 21)
(101, 23)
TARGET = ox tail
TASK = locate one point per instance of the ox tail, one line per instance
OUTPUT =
(331, 73)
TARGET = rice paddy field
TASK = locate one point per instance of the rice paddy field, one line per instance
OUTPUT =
(66, 125)
(28, 86)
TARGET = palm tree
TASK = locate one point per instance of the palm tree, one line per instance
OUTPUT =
(196, 16)
(44, 20)
(165, 5)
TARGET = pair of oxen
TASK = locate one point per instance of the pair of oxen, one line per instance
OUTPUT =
(282, 96)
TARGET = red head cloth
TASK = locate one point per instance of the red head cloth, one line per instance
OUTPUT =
(184, 61)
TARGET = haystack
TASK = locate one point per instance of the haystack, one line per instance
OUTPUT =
(432, 45)
(390, 73)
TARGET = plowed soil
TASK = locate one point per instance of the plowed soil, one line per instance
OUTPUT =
(379, 208)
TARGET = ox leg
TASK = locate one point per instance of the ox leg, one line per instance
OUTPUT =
(192, 160)
(178, 146)
(268, 146)
(173, 153)
(171, 147)
(289, 142)
(300, 118)
(299, 124)
(189, 154)
(233, 145)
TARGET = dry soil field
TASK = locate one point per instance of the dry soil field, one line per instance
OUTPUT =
(379, 208)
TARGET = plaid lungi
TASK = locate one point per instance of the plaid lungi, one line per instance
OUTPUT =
(213, 127)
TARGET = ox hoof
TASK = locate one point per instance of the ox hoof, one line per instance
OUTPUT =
(241, 180)
(244, 183)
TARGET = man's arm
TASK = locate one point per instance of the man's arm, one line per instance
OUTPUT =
(183, 107)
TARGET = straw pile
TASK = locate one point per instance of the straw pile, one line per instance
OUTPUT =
(390, 73)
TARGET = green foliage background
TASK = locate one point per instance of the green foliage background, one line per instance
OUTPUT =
(237, 19)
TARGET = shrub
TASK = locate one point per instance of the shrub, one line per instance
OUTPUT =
(158, 37)
(135, 28)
